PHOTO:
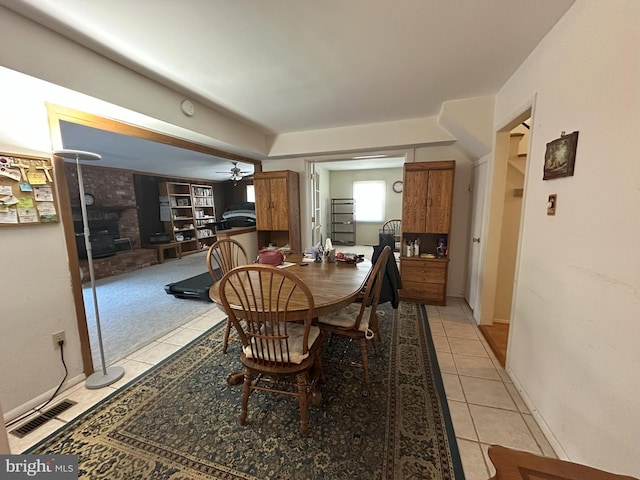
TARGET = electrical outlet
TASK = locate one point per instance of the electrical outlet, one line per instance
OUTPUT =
(57, 338)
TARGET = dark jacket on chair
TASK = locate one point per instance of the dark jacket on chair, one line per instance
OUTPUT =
(391, 282)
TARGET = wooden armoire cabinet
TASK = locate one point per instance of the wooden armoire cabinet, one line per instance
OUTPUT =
(427, 197)
(278, 209)
(426, 220)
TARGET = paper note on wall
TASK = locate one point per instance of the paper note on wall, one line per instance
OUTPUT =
(28, 215)
(43, 194)
(47, 212)
(25, 202)
(9, 215)
(36, 178)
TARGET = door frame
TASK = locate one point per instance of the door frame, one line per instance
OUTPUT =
(310, 164)
(498, 175)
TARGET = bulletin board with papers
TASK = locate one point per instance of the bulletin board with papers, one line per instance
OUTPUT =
(27, 190)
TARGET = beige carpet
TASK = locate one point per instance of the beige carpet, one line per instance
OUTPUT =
(135, 310)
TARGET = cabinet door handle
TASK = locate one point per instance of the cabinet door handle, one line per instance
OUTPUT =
(475, 239)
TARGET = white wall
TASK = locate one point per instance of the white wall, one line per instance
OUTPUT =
(5, 449)
(35, 286)
(573, 348)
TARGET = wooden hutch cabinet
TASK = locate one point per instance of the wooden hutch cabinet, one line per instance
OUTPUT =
(278, 209)
(427, 197)
(426, 220)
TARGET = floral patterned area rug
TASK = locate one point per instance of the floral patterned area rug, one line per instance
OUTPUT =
(180, 420)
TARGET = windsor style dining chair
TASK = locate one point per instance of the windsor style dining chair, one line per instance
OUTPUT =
(393, 227)
(359, 321)
(280, 354)
(222, 256)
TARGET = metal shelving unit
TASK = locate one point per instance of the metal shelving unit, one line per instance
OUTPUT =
(343, 221)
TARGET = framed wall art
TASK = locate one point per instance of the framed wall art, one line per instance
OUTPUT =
(560, 156)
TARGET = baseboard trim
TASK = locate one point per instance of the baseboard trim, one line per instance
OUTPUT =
(546, 431)
(43, 397)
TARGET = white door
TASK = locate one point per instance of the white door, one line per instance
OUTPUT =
(316, 211)
(474, 279)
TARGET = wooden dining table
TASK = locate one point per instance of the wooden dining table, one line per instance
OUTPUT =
(334, 284)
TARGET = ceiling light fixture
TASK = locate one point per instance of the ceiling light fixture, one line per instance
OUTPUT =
(237, 173)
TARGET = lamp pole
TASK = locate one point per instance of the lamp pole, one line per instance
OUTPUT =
(107, 375)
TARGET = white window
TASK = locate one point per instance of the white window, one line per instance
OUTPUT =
(251, 194)
(370, 200)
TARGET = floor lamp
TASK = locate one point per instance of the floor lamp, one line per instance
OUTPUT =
(110, 375)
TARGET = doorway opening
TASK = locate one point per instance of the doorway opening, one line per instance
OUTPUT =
(333, 177)
(503, 238)
(57, 115)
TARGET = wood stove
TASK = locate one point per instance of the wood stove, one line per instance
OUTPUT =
(102, 244)
(102, 235)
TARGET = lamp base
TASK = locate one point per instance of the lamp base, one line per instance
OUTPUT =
(99, 380)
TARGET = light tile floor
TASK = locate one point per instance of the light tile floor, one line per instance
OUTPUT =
(484, 404)
(134, 365)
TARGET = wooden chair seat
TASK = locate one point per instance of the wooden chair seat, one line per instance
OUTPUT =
(296, 342)
(347, 318)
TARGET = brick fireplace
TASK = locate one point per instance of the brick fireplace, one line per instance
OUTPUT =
(113, 220)
(121, 262)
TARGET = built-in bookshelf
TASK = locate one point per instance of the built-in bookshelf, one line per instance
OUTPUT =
(188, 213)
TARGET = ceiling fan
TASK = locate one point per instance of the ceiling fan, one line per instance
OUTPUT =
(237, 173)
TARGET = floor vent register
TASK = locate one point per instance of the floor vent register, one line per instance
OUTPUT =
(43, 418)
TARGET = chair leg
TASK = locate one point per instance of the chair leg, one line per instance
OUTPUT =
(246, 391)
(227, 331)
(373, 325)
(365, 361)
(302, 400)
(318, 371)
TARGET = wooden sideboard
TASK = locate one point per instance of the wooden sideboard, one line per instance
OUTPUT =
(426, 218)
